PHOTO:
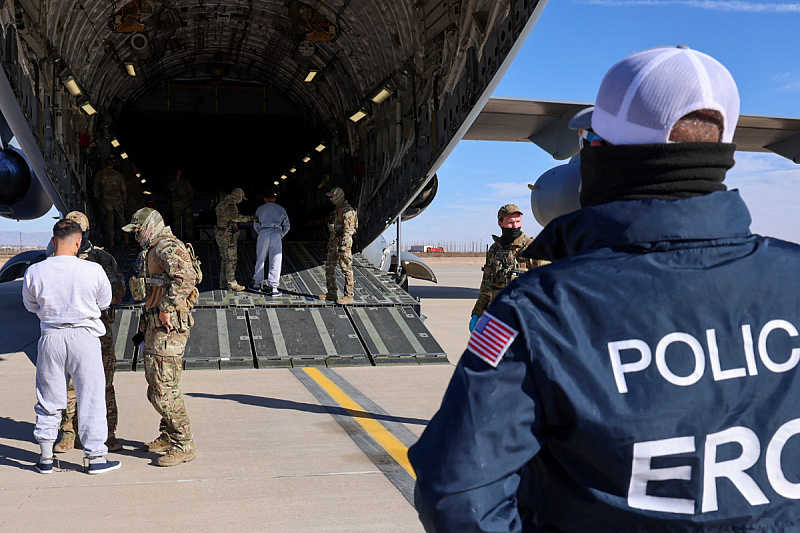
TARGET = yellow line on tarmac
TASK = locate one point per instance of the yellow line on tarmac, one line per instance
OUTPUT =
(377, 431)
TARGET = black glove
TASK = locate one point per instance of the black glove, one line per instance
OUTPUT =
(138, 338)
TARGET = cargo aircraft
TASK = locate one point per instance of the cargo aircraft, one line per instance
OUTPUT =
(299, 96)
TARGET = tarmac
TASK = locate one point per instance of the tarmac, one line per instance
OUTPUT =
(283, 450)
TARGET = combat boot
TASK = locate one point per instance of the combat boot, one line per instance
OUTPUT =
(66, 444)
(175, 457)
(159, 445)
(112, 443)
(235, 287)
(344, 300)
(331, 297)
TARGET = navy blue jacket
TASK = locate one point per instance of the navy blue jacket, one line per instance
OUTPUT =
(652, 386)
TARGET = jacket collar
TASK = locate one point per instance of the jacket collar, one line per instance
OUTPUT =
(644, 225)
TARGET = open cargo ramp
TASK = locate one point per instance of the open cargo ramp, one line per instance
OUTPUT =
(295, 329)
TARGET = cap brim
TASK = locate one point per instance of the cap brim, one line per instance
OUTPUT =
(582, 119)
(129, 227)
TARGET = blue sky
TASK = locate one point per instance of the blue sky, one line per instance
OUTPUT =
(565, 58)
(570, 49)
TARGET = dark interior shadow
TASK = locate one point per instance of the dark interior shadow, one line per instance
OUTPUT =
(21, 431)
(449, 293)
(276, 403)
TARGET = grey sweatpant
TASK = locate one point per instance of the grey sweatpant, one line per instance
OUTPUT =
(270, 245)
(71, 353)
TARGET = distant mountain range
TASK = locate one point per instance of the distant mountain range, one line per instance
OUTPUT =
(36, 238)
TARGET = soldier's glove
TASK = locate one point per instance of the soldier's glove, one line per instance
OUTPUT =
(138, 338)
(473, 322)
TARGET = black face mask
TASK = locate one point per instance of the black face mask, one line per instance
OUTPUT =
(510, 234)
(84, 242)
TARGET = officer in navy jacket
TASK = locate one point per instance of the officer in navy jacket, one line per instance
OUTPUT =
(647, 380)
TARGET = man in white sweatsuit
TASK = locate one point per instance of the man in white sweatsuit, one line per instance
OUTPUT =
(67, 294)
(272, 226)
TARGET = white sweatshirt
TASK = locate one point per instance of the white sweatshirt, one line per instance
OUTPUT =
(67, 292)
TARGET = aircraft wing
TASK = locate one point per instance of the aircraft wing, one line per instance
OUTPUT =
(544, 122)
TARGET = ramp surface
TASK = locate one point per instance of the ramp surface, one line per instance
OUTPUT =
(296, 329)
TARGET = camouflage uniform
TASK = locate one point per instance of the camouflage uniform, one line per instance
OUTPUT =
(226, 234)
(69, 422)
(170, 281)
(502, 265)
(182, 195)
(342, 226)
(111, 191)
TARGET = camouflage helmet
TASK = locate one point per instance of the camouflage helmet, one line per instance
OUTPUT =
(139, 218)
(80, 218)
(508, 209)
(238, 193)
(336, 195)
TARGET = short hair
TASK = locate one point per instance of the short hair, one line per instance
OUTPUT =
(705, 125)
(65, 228)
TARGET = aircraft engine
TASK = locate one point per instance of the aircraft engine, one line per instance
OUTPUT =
(423, 199)
(22, 197)
(557, 192)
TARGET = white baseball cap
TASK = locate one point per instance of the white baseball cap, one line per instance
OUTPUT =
(642, 97)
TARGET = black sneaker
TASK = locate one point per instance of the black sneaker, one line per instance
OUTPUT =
(44, 468)
(255, 287)
(102, 468)
(275, 292)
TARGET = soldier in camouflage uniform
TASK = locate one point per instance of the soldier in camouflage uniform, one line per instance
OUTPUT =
(226, 234)
(110, 190)
(502, 260)
(69, 421)
(182, 195)
(342, 226)
(165, 279)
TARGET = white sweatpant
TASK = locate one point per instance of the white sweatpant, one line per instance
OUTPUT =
(71, 353)
(269, 243)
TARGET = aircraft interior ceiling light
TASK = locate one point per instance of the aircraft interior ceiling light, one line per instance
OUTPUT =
(72, 86)
(359, 114)
(87, 107)
(383, 94)
(264, 73)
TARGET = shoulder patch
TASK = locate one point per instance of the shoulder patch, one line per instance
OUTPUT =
(491, 338)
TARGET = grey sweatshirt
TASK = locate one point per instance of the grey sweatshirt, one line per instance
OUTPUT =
(67, 292)
(271, 217)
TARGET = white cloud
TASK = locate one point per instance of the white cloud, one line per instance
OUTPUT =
(714, 5)
(770, 185)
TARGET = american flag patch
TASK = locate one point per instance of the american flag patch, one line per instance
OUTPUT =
(490, 339)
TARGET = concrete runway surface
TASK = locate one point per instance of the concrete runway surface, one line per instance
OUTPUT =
(283, 450)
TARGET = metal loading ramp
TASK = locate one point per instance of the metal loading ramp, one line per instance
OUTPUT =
(248, 329)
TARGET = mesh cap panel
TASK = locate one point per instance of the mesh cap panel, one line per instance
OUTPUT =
(644, 95)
